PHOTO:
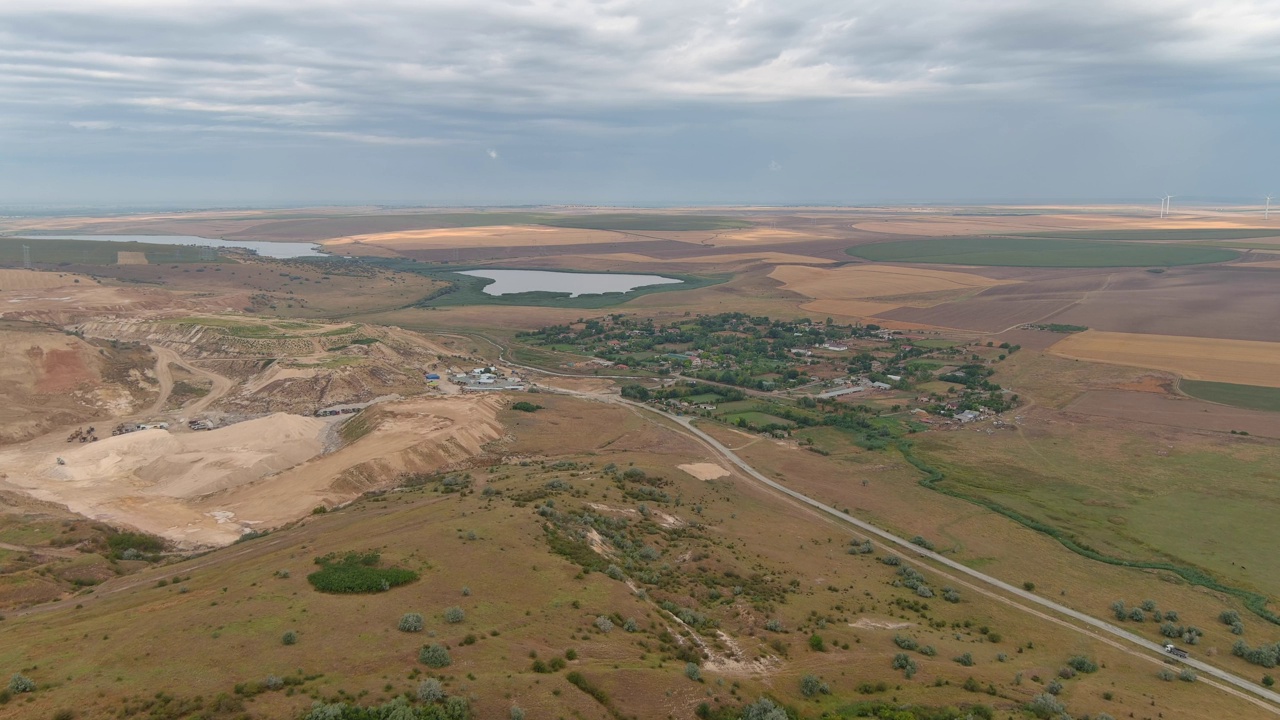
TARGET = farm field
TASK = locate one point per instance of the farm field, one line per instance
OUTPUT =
(1242, 396)
(1230, 361)
(1049, 252)
(11, 279)
(863, 289)
(46, 252)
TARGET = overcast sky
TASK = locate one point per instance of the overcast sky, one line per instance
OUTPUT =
(438, 102)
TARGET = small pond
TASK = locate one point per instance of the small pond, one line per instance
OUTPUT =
(511, 282)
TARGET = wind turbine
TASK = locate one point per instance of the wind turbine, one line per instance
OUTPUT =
(1168, 205)
(1266, 214)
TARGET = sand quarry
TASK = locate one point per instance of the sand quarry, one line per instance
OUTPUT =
(207, 488)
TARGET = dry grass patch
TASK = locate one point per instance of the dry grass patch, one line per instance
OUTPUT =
(1243, 362)
(35, 280)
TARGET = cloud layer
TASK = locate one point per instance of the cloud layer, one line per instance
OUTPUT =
(84, 84)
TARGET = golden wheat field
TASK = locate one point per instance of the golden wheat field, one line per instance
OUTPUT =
(1243, 362)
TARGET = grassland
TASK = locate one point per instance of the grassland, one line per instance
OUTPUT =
(1046, 252)
(1252, 397)
(502, 544)
(46, 252)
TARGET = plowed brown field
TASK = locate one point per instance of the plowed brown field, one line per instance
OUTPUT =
(1234, 361)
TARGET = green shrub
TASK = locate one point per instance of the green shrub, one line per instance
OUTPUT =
(19, 684)
(436, 656)
(1083, 664)
(430, 690)
(692, 671)
(811, 685)
(454, 615)
(965, 659)
(526, 406)
(357, 573)
(816, 644)
(289, 638)
(411, 622)
(1046, 706)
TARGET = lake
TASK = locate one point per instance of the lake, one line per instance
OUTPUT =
(510, 282)
(278, 250)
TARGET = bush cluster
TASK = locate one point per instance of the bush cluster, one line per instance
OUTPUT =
(357, 573)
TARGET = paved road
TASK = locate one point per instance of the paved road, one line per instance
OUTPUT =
(1227, 677)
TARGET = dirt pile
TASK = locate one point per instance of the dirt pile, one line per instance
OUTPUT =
(409, 436)
(207, 488)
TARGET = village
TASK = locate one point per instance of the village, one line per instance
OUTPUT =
(775, 375)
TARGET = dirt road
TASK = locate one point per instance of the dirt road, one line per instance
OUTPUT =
(166, 357)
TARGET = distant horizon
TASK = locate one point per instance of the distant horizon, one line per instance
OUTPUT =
(1204, 204)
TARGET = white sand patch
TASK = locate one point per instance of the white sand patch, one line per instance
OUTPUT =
(704, 471)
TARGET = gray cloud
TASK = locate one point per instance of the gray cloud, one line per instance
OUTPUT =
(620, 81)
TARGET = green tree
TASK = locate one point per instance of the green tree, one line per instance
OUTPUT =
(436, 656)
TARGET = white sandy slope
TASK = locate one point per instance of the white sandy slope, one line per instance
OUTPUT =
(207, 488)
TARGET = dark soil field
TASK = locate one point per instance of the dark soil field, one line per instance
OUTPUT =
(1230, 302)
(1235, 303)
(1039, 252)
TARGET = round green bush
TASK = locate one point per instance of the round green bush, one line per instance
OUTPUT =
(436, 656)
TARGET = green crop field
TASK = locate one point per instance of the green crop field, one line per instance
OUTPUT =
(1038, 252)
(46, 252)
(1157, 235)
(1251, 397)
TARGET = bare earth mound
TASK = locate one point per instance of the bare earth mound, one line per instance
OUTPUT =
(1242, 362)
(207, 488)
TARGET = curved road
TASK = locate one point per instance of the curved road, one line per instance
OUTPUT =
(1101, 625)
(166, 357)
